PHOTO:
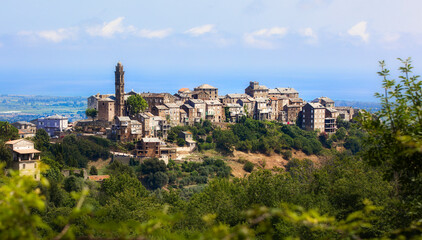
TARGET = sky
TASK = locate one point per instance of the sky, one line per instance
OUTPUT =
(319, 47)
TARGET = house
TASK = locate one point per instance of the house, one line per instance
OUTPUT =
(256, 91)
(148, 148)
(199, 109)
(26, 129)
(248, 105)
(160, 110)
(292, 113)
(288, 92)
(173, 114)
(234, 97)
(345, 113)
(154, 99)
(235, 111)
(53, 125)
(211, 91)
(325, 101)
(214, 111)
(106, 110)
(313, 117)
(25, 157)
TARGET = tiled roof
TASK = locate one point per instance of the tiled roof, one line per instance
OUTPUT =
(205, 86)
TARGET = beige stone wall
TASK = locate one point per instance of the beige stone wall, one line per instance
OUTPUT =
(106, 110)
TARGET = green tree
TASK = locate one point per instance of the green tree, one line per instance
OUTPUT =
(93, 170)
(8, 132)
(395, 132)
(136, 104)
(91, 112)
(42, 140)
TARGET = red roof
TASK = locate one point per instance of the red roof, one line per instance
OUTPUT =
(184, 90)
(98, 178)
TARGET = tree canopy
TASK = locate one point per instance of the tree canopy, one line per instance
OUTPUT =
(136, 104)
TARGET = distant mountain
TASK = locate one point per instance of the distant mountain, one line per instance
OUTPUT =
(370, 106)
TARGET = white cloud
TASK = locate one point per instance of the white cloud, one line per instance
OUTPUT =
(310, 34)
(197, 31)
(262, 38)
(116, 26)
(108, 29)
(145, 33)
(390, 37)
(360, 31)
(55, 36)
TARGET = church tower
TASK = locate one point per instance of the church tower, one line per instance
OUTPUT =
(120, 89)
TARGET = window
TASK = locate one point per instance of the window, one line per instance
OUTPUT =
(23, 166)
(35, 165)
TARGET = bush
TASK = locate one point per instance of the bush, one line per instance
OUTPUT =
(287, 154)
(181, 142)
(248, 166)
(93, 170)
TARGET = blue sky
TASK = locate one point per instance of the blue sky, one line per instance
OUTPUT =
(319, 47)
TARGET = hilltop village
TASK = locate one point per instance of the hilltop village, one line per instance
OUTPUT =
(148, 129)
(187, 107)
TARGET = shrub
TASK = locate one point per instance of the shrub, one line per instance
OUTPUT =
(248, 166)
(93, 170)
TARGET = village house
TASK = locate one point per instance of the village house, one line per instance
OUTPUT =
(345, 113)
(331, 115)
(235, 112)
(214, 111)
(25, 157)
(154, 99)
(188, 114)
(288, 92)
(155, 148)
(324, 101)
(234, 97)
(53, 125)
(292, 113)
(93, 100)
(248, 105)
(106, 111)
(313, 117)
(256, 91)
(26, 129)
(199, 109)
(173, 114)
(211, 91)
(188, 137)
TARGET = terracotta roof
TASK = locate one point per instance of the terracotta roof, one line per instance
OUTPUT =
(184, 90)
(98, 178)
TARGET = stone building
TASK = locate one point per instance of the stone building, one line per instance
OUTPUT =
(345, 113)
(53, 125)
(234, 98)
(292, 113)
(313, 117)
(288, 92)
(25, 157)
(106, 109)
(199, 109)
(173, 117)
(26, 129)
(154, 99)
(214, 111)
(324, 101)
(93, 100)
(256, 91)
(119, 76)
(211, 91)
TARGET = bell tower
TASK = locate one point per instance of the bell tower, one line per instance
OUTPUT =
(119, 76)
